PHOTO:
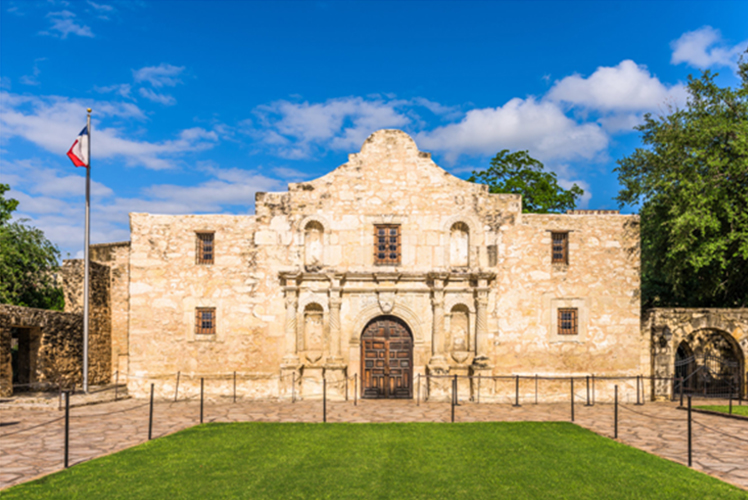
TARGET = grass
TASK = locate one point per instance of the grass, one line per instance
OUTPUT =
(736, 410)
(522, 460)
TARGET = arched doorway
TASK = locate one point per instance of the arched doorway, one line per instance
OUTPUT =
(711, 363)
(387, 359)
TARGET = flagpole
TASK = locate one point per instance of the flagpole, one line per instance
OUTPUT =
(86, 281)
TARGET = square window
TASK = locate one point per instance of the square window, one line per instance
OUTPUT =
(204, 251)
(387, 249)
(567, 321)
(205, 320)
(560, 248)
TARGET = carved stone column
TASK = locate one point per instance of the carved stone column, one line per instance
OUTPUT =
(437, 302)
(335, 303)
(335, 369)
(290, 366)
(481, 320)
(292, 341)
(438, 384)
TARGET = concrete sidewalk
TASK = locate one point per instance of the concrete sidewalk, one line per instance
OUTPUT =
(31, 441)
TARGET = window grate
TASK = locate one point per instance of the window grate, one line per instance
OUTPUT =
(205, 320)
(567, 321)
(204, 251)
(387, 246)
(560, 248)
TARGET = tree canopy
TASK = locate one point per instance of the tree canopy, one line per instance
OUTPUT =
(518, 173)
(691, 182)
(28, 262)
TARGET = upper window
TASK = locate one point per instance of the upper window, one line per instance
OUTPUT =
(459, 245)
(560, 248)
(567, 321)
(204, 250)
(205, 321)
(387, 244)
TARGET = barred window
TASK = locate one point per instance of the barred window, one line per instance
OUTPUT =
(387, 244)
(204, 251)
(205, 320)
(567, 321)
(560, 248)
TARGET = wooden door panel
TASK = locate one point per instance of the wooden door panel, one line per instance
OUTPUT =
(387, 360)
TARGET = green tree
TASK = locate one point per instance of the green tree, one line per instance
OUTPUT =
(518, 173)
(691, 182)
(28, 262)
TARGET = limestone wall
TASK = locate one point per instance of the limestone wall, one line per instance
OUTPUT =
(57, 351)
(475, 285)
(100, 316)
(167, 285)
(117, 257)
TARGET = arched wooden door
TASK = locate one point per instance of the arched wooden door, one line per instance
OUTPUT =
(387, 359)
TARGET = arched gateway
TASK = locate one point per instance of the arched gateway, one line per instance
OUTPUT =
(387, 359)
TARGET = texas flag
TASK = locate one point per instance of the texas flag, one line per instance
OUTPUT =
(79, 150)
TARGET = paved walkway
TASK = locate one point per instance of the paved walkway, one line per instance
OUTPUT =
(31, 441)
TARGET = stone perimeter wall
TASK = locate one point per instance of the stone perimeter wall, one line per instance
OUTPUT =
(57, 351)
(262, 282)
(668, 327)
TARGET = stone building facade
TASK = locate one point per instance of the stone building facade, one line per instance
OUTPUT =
(386, 268)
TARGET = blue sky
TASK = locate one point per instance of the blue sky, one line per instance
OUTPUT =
(198, 105)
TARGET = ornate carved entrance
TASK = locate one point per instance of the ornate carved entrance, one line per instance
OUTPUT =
(387, 359)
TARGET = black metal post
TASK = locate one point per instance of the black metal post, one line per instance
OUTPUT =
(202, 384)
(67, 426)
(150, 417)
(730, 402)
(572, 399)
(536, 388)
(324, 400)
(457, 401)
(234, 387)
(176, 392)
(116, 384)
(478, 391)
(689, 431)
(516, 391)
(355, 391)
(588, 391)
(681, 391)
(454, 390)
(346, 388)
(418, 391)
(615, 415)
(593, 389)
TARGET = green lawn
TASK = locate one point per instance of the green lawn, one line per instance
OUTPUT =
(736, 410)
(522, 460)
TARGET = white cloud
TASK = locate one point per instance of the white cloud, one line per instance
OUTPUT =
(53, 122)
(538, 126)
(626, 87)
(704, 48)
(163, 75)
(165, 99)
(35, 72)
(100, 7)
(122, 89)
(293, 129)
(63, 24)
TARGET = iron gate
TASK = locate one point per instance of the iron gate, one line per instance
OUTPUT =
(707, 376)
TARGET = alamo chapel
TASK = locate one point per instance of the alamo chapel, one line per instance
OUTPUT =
(388, 276)
(386, 268)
